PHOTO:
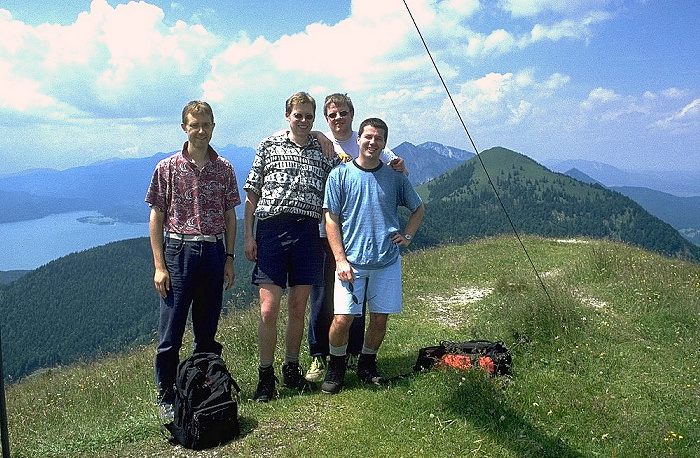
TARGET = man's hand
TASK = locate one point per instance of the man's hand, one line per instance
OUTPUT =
(399, 165)
(250, 248)
(400, 240)
(344, 271)
(326, 145)
(161, 280)
(229, 273)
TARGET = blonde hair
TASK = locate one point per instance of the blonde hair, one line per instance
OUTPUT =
(299, 98)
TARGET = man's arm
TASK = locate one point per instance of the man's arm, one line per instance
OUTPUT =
(335, 239)
(161, 277)
(230, 240)
(250, 247)
(327, 146)
(411, 228)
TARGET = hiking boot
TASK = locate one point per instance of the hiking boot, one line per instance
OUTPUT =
(367, 369)
(266, 385)
(352, 361)
(292, 378)
(317, 369)
(335, 375)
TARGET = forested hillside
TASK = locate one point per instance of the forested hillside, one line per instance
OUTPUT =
(98, 301)
(461, 205)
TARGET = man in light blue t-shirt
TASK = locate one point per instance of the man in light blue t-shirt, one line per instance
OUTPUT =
(339, 112)
(362, 224)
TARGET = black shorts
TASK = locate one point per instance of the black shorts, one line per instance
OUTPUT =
(289, 251)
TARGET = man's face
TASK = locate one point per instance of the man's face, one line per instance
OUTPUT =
(199, 128)
(339, 120)
(301, 119)
(371, 142)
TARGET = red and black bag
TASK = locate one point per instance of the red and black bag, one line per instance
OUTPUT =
(493, 357)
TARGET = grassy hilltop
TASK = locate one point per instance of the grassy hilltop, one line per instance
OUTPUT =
(608, 367)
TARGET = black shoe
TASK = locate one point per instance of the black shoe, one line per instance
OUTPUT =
(367, 370)
(293, 377)
(266, 385)
(335, 375)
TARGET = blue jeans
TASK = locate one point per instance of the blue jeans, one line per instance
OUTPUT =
(321, 311)
(196, 279)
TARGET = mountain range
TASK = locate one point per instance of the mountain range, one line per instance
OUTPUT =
(102, 299)
(679, 183)
(116, 188)
(683, 213)
(506, 192)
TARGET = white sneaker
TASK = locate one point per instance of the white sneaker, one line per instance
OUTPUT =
(317, 370)
(166, 412)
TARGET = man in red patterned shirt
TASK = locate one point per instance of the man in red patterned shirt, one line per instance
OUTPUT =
(192, 228)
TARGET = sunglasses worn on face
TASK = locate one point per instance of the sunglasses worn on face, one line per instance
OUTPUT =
(300, 116)
(335, 114)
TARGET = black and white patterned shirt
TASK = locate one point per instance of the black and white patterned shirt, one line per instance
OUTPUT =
(289, 178)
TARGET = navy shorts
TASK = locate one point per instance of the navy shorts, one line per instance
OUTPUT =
(289, 251)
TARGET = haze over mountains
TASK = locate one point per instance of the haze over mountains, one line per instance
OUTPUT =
(116, 188)
(673, 182)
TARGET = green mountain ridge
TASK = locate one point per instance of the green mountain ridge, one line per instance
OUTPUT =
(537, 201)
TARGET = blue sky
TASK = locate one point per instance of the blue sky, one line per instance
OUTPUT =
(614, 81)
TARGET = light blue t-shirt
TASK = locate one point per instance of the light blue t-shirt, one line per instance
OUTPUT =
(367, 202)
(351, 148)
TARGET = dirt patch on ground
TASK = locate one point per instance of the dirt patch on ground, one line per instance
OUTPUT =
(449, 311)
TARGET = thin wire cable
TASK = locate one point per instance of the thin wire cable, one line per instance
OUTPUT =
(471, 140)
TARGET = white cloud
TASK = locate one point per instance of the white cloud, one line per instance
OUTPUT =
(685, 120)
(117, 69)
(21, 94)
(529, 8)
(111, 61)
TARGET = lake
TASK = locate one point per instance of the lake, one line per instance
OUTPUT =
(26, 245)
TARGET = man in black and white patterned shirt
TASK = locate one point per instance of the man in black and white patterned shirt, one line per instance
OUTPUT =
(284, 192)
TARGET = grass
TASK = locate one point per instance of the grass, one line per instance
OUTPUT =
(609, 367)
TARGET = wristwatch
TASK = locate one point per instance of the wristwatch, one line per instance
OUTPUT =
(232, 255)
(408, 237)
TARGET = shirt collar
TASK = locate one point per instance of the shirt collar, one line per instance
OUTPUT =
(213, 155)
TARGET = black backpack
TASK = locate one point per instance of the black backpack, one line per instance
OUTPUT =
(206, 412)
(493, 357)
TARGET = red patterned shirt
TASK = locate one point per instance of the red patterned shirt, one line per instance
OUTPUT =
(194, 201)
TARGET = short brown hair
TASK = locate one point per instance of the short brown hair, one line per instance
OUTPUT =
(376, 123)
(196, 107)
(299, 98)
(338, 99)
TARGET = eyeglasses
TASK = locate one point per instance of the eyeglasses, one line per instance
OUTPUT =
(300, 116)
(335, 114)
(205, 126)
(351, 288)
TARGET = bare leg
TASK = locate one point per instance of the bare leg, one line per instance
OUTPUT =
(270, 297)
(296, 308)
(376, 330)
(340, 328)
